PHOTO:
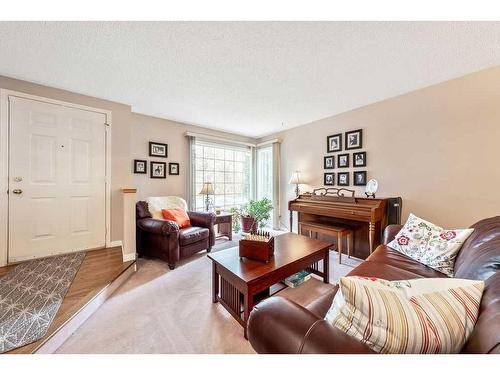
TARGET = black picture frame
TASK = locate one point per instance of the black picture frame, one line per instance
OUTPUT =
(358, 144)
(359, 178)
(153, 169)
(342, 182)
(138, 169)
(329, 179)
(173, 169)
(155, 152)
(329, 165)
(356, 156)
(341, 164)
(338, 142)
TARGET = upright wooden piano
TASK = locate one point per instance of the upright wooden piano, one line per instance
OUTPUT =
(367, 217)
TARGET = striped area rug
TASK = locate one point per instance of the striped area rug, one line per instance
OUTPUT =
(30, 296)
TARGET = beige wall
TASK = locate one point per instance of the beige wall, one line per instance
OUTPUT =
(120, 138)
(146, 129)
(438, 148)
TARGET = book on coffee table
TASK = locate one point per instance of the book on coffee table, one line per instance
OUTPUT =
(296, 279)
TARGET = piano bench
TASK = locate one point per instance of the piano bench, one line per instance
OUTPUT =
(336, 231)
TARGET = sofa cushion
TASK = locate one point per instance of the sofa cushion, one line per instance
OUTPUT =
(429, 244)
(417, 316)
(191, 235)
(386, 255)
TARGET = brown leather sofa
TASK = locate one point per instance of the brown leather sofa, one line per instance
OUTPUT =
(278, 325)
(163, 239)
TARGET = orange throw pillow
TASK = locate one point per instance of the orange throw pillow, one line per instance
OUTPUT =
(178, 215)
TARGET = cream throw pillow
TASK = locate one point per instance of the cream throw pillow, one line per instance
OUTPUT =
(429, 244)
(416, 316)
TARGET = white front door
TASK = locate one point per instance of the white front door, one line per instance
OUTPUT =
(57, 186)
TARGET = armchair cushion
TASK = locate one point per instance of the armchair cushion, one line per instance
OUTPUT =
(156, 204)
(178, 215)
(191, 235)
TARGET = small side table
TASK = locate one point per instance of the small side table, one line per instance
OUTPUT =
(224, 222)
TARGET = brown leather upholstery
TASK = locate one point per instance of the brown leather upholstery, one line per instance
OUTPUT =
(163, 239)
(277, 325)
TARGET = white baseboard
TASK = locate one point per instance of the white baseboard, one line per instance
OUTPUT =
(128, 257)
(115, 243)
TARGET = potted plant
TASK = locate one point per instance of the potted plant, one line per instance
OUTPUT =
(252, 215)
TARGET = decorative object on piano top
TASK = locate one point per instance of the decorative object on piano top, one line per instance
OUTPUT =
(354, 139)
(343, 178)
(336, 192)
(343, 161)
(359, 159)
(359, 178)
(252, 215)
(295, 180)
(257, 245)
(329, 162)
(329, 179)
(334, 143)
(371, 188)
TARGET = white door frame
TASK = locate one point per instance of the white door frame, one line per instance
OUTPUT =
(4, 163)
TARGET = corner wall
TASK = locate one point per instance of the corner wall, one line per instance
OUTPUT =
(438, 148)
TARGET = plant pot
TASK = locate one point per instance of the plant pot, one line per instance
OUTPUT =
(247, 224)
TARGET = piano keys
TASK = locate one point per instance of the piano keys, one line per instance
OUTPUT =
(367, 217)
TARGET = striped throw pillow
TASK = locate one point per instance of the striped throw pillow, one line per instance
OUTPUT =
(416, 316)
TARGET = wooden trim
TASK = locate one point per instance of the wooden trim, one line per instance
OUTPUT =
(129, 190)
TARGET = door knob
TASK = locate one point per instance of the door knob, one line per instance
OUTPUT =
(17, 191)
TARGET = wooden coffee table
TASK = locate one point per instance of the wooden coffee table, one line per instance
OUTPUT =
(239, 284)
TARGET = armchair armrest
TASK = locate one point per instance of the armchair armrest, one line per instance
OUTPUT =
(202, 219)
(154, 226)
(278, 325)
(390, 232)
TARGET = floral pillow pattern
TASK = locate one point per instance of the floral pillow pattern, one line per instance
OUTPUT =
(429, 244)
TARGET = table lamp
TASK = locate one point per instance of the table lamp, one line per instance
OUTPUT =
(207, 189)
(295, 180)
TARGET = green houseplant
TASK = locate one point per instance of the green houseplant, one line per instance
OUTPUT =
(252, 215)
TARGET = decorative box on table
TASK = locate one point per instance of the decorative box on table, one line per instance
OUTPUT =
(257, 246)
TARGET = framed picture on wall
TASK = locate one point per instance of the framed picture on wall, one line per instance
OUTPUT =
(328, 162)
(359, 159)
(354, 139)
(329, 179)
(140, 166)
(173, 169)
(334, 143)
(343, 161)
(360, 178)
(343, 178)
(158, 169)
(159, 150)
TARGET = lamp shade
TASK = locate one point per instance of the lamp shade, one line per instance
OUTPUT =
(295, 179)
(207, 188)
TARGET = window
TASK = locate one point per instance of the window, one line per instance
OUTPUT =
(265, 172)
(228, 168)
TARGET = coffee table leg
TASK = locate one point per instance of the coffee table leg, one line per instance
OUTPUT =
(326, 267)
(215, 284)
(247, 307)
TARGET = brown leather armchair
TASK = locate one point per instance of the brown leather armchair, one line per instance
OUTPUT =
(278, 325)
(165, 240)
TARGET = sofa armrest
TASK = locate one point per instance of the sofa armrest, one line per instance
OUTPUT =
(278, 325)
(154, 226)
(390, 232)
(202, 219)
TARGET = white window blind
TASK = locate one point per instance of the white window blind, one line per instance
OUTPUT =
(228, 167)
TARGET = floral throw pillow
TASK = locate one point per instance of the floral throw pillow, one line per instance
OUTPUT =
(429, 244)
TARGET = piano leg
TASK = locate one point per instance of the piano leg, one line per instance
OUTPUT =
(291, 220)
(371, 235)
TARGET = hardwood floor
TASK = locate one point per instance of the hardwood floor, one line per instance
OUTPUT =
(98, 270)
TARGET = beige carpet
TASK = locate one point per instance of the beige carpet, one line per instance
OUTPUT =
(163, 311)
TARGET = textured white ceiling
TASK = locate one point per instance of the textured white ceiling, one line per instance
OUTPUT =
(245, 77)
